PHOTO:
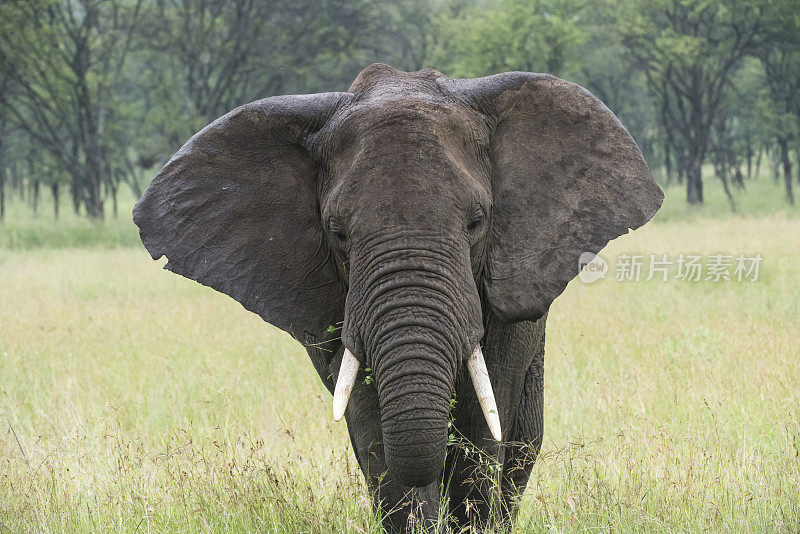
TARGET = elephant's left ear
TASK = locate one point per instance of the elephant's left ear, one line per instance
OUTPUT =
(567, 178)
(237, 209)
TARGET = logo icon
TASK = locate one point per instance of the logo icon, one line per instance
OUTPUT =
(592, 267)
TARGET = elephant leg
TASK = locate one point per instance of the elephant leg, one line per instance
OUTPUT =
(471, 474)
(526, 437)
(403, 509)
(471, 478)
(475, 484)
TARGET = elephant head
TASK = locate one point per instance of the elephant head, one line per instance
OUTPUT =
(408, 208)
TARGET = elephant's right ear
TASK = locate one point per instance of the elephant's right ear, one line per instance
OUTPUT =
(567, 178)
(237, 210)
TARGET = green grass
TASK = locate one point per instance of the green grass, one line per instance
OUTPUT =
(133, 400)
(22, 229)
(761, 197)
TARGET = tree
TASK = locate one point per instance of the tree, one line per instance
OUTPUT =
(605, 70)
(95, 93)
(63, 57)
(689, 49)
(780, 56)
(538, 36)
(216, 47)
(4, 128)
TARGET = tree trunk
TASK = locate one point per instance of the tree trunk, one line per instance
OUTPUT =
(76, 199)
(738, 178)
(727, 189)
(2, 193)
(680, 165)
(721, 170)
(2, 177)
(758, 161)
(776, 171)
(54, 190)
(694, 181)
(787, 168)
(16, 181)
(797, 153)
(2, 171)
(35, 196)
(94, 201)
(667, 163)
(114, 189)
(749, 159)
(735, 168)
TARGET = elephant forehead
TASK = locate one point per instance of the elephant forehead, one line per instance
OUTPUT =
(411, 108)
(406, 142)
(401, 133)
(400, 117)
(383, 95)
(381, 79)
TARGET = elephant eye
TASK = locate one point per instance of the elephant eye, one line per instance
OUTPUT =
(475, 220)
(336, 230)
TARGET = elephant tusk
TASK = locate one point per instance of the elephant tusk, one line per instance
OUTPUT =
(483, 389)
(344, 383)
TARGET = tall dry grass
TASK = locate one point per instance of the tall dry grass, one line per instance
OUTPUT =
(133, 400)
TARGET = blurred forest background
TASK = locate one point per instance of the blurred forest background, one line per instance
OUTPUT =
(95, 95)
(136, 401)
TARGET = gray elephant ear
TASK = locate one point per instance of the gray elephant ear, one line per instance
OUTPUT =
(237, 210)
(567, 178)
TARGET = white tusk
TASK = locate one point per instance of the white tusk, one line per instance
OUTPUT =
(483, 388)
(344, 384)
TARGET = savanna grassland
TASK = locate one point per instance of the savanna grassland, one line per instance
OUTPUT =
(133, 400)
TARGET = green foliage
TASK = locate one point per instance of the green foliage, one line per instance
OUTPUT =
(96, 94)
(62, 64)
(540, 36)
(689, 51)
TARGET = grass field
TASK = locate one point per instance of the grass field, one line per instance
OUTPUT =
(133, 400)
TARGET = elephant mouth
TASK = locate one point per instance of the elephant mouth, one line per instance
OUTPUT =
(476, 366)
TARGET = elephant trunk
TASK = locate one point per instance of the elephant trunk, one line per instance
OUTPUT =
(419, 319)
(414, 402)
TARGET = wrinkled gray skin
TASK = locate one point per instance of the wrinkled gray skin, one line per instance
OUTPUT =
(429, 215)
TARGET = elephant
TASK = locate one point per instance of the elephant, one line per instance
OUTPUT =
(411, 233)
